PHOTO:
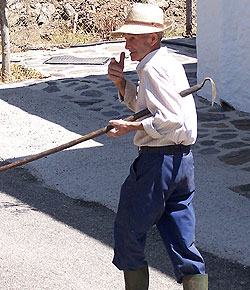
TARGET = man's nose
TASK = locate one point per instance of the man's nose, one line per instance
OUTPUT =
(127, 45)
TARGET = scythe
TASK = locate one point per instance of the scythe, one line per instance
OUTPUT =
(104, 130)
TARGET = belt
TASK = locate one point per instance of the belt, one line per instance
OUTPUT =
(166, 149)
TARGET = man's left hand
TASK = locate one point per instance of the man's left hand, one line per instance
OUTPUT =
(122, 127)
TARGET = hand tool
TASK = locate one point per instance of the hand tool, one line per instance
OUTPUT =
(104, 130)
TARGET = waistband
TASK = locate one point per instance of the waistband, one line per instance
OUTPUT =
(166, 149)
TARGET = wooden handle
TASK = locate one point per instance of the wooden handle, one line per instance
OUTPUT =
(89, 136)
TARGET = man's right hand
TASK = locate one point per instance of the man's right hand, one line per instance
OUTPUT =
(115, 73)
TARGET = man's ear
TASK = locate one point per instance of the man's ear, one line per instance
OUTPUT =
(154, 39)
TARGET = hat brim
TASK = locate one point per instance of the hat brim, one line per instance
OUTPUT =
(139, 29)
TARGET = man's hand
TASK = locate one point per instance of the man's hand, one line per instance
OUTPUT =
(122, 127)
(115, 73)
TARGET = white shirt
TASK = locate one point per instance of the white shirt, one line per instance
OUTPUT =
(174, 119)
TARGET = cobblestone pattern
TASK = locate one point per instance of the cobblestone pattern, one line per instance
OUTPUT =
(221, 131)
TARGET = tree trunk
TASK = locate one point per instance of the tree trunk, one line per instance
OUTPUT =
(189, 17)
(6, 73)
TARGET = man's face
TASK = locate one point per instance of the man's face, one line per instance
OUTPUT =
(139, 45)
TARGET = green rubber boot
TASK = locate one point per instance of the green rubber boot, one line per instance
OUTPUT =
(195, 282)
(137, 279)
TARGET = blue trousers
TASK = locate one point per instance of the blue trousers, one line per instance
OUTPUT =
(158, 191)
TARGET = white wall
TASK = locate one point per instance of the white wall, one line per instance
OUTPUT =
(223, 49)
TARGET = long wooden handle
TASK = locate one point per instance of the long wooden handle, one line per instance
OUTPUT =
(89, 136)
(103, 130)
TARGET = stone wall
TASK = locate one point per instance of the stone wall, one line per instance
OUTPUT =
(223, 50)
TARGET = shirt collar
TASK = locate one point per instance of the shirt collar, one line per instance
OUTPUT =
(147, 58)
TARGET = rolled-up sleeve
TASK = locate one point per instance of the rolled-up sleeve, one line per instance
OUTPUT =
(130, 97)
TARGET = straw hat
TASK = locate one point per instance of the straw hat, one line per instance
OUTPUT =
(142, 19)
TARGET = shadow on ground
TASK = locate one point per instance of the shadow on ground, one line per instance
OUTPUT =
(97, 222)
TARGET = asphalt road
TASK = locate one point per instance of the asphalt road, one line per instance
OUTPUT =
(50, 241)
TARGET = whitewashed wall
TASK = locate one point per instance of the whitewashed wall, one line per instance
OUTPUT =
(223, 49)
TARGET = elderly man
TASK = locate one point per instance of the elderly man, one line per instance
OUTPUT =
(160, 187)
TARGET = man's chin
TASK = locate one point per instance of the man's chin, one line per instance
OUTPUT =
(133, 56)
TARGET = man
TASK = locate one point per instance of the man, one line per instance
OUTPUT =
(160, 186)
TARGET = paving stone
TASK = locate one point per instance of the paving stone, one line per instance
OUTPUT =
(190, 67)
(88, 103)
(225, 136)
(243, 189)
(209, 151)
(242, 114)
(111, 114)
(227, 130)
(92, 93)
(67, 97)
(191, 75)
(233, 145)
(195, 147)
(202, 130)
(192, 82)
(108, 85)
(89, 81)
(118, 107)
(71, 84)
(124, 116)
(128, 111)
(52, 89)
(202, 135)
(203, 101)
(239, 157)
(208, 143)
(247, 139)
(94, 109)
(103, 79)
(199, 107)
(115, 97)
(214, 125)
(130, 73)
(243, 125)
(215, 110)
(82, 87)
(111, 89)
(51, 83)
(92, 79)
(68, 80)
(209, 117)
